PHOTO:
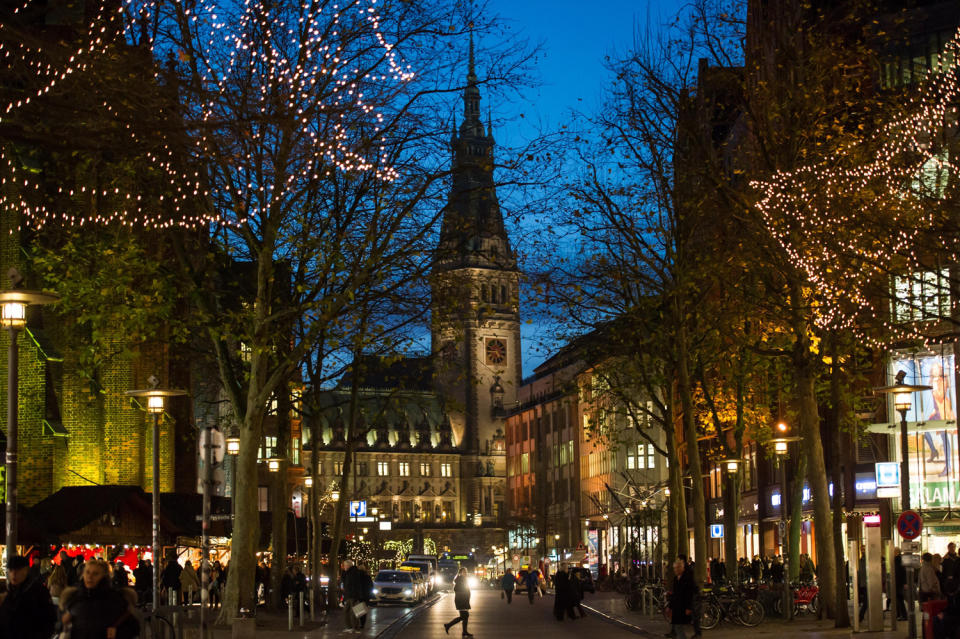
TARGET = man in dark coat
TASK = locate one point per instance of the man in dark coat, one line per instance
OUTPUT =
(681, 601)
(562, 594)
(950, 569)
(899, 580)
(352, 593)
(170, 577)
(508, 583)
(532, 581)
(27, 612)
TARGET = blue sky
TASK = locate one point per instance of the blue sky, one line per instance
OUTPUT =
(575, 36)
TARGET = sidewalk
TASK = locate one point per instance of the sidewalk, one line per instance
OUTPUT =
(611, 607)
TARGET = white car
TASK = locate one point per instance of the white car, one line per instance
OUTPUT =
(395, 586)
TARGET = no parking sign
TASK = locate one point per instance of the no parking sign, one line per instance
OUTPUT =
(909, 524)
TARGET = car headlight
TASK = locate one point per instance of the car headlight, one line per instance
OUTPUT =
(473, 582)
(375, 591)
(408, 592)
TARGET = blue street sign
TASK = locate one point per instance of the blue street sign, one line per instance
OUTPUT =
(358, 508)
(716, 531)
(888, 474)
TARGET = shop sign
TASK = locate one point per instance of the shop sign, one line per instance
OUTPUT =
(935, 494)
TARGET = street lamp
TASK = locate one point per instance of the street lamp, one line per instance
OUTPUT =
(155, 399)
(732, 465)
(232, 442)
(13, 317)
(902, 402)
(781, 446)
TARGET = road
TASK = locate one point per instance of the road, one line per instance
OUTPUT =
(493, 618)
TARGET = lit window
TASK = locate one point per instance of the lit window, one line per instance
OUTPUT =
(425, 469)
(921, 296)
(295, 453)
(338, 468)
(525, 463)
(269, 443)
(446, 470)
(404, 469)
(383, 468)
(263, 498)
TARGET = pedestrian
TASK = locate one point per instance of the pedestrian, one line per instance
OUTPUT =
(286, 584)
(189, 583)
(929, 585)
(26, 611)
(461, 599)
(899, 580)
(681, 600)
(507, 584)
(756, 569)
(562, 594)
(533, 583)
(94, 609)
(56, 582)
(352, 595)
(170, 577)
(366, 591)
(121, 578)
(950, 568)
(776, 570)
(142, 581)
(576, 592)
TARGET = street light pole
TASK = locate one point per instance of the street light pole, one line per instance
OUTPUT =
(156, 398)
(13, 317)
(902, 402)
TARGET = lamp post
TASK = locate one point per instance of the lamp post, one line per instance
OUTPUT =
(902, 402)
(156, 400)
(781, 447)
(13, 317)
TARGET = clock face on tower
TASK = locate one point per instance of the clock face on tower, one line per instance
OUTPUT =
(496, 351)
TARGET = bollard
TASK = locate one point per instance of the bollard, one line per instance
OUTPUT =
(313, 605)
(301, 609)
(289, 613)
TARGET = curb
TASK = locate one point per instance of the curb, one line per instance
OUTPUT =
(398, 625)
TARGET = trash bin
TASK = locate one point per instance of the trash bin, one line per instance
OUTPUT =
(931, 609)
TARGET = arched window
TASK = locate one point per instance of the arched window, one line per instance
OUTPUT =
(503, 294)
(493, 294)
(483, 293)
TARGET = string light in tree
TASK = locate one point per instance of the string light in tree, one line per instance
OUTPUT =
(876, 210)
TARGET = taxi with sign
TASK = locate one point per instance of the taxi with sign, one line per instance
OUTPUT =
(395, 586)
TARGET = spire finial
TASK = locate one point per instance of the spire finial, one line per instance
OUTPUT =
(471, 66)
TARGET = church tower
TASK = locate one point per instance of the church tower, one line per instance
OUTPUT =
(475, 312)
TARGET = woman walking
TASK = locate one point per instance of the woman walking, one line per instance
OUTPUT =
(94, 609)
(461, 598)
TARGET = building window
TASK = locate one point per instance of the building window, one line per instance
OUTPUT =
(295, 453)
(425, 469)
(319, 467)
(263, 498)
(446, 470)
(338, 468)
(266, 450)
(404, 469)
(363, 469)
(921, 296)
(525, 463)
(383, 468)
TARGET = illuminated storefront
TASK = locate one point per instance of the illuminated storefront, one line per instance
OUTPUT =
(931, 443)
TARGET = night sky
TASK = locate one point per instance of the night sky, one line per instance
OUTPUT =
(575, 36)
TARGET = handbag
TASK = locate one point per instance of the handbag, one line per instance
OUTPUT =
(359, 610)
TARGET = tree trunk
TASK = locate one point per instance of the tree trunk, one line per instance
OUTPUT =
(280, 500)
(840, 408)
(239, 593)
(796, 517)
(817, 472)
(674, 528)
(731, 512)
(693, 456)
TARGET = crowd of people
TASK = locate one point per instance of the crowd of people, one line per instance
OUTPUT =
(938, 579)
(761, 569)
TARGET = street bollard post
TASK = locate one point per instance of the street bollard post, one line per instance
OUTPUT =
(301, 609)
(289, 613)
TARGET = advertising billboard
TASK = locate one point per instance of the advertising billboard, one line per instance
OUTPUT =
(932, 428)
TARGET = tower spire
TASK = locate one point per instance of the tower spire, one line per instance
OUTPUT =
(471, 65)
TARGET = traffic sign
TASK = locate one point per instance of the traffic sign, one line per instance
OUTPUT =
(716, 531)
(358, 508)
(909, 524)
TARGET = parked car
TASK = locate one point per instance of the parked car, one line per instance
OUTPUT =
(586, 579)
(395, 586)
(426, 568)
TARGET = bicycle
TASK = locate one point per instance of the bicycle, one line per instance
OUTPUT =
(806, 598)
(721, 603)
